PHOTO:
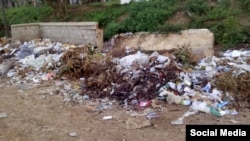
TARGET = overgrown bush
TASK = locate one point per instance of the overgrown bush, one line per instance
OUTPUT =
(228, 33)
(27, 14)
(245, 4)
(220, 19)
(146, 20)
(142, 16)
(106, 15)
(147, 16)
(111, 29)
(197, 7)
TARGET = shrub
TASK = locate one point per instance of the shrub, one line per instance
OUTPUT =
(27, 14)
(245, 4)
(228, 33)
(111, 29)
(147, 16)
(105, 16)
(197, 7)
(221, 20)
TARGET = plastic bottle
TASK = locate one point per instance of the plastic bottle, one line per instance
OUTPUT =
(83, 85)
(186, 102)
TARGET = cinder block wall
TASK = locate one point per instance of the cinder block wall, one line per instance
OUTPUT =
(65, 32)
(25, 32)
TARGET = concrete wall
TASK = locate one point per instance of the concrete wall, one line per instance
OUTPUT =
(24, 32)
(67, 32)
(200, 41)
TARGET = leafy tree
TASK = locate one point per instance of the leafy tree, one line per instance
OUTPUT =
(4, 18)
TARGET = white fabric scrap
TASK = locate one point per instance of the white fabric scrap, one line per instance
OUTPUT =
(241, 66)
(138, 58)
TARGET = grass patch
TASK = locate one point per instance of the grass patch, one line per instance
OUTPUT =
(28, 14)
(220, 19)
(245, 4)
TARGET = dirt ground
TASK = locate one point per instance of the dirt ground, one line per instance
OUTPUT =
(37, 115)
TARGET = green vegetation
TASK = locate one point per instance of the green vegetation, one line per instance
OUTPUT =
(222, 17)
(245, 4)
(28, 14)
(25, 14)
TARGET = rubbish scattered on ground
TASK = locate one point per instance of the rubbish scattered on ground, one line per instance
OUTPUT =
(145, 103)
(213, 85)
(177, 122)
(234, 121)
(5, 67)
(107, 117)
(142, 113)
(180, 120)
(152, 115)
(73, 134)
(3, 115)
(104, 104)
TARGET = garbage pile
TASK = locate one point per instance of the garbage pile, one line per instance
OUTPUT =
(213, 85)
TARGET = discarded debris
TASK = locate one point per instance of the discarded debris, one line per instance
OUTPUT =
(107, 117)
(5, 67)
(177, 122)
(132, 77)
(73, 134)
(3, 115)
(234, 121)
(152, 115)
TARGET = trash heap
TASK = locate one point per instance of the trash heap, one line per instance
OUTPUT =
(214, 85)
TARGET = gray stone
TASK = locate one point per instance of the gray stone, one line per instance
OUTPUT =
(137, 122)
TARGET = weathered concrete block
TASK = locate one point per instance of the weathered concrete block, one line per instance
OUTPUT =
(66, 32)
(24, 32)
(200, 41)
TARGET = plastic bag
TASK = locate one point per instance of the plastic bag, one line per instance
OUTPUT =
(24, 52)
